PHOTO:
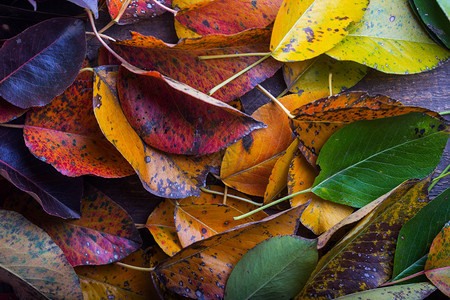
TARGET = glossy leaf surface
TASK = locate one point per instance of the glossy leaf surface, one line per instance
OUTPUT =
(385, 152)
(57, 194)
(390, 39)
(306, 29)
(137, 10)
(363, 259)
(420, 232)
(276, 268)
(66, 135)
(39, 63)
(437, 267)
(225, 16)
(405, 291)
(181, 62)
(89, 4)
(202, 269)
(175, 118)
(32, 263)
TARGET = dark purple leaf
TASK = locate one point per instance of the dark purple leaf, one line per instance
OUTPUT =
(90, 4)
(40, 63)
(58, 195)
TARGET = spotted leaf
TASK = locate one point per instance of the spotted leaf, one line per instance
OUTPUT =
(304, 29)
(137, 10)
(419, 290)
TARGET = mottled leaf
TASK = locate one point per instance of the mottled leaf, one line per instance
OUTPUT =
(315, 122)
(41, 62)
(390, 39)
(32, 263)
(175, 118)
(363, 259)
(368, 158)
(418, 233)
(89, 4)
(320, 215)
(9, 112)
(57, 194)
(137, 10)
(117, 282)
(66, 135)
(276, 268)
(202, 269)
(225, 16)
(181, 62)
(306, 29)
(437, 267)
(414, 291)
(312, 76)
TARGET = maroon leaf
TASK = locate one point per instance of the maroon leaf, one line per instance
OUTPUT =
(9, 112)
(175, 118)
(41, 62)
(57, 194)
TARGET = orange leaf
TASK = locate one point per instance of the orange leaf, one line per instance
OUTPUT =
(137, 10)
(202, 269)
(437, 267)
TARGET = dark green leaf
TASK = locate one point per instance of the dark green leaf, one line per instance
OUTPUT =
(416, 267)
(368, 158)
(276, 268)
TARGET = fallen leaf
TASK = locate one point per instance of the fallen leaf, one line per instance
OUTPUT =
(306, 29)
(388, 150)
(363, 259)
(175, 118)
(57, 194)
(88, 4)
(66, 135)
(137, 10)
(41, 62)
(320, 215)
(437, 267)
(181, 62)
(32, 263)
(276, 268)
(405, 291)
(315, 122)
(390, 39)
(9, 112)
(202, 269)
(225, 16)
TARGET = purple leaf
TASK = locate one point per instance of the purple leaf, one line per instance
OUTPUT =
(90, 4)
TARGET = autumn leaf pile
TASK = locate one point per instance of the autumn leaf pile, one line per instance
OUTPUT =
(319, 193)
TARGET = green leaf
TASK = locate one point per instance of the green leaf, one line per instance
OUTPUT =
(434, 20)
(414, 268)
(368, 158)
(407, 291)
(276, 268)
(445, 6)
(391, 40)
(418, 233)
(363, 259)
(32, 263)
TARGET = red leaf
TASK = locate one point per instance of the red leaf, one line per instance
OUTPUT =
(175, 118)
(9, 112)
(137, 10)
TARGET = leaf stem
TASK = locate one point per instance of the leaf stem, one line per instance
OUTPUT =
(445, 113)
(225, 194)
(229, 196)
(413, 275)
(134, 267)
(277, 102)
(106, 37)
(139, 226)
(85, 70)
(217, 87)
(271, 204)
(204, 57)
(436, 180)
(117, 18)
(330, 83)
(174, 12)
(18, 126)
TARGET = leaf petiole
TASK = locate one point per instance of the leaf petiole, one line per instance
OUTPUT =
(117, 18)
(271, 204)
(229, 196)
(330, 83)
(106, 37)
(266, 92)
(85, 70)
(436, 180)
(174, 12)
(134, 267)
(204, 57)
(445, 113)
(413, 276)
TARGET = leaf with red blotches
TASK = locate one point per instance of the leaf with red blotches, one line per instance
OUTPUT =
(104, 233)
(175, 118)
(202, 269)
(225, 16)
(66, 135)
(137, 10)
(9, 112)
(59, 195)
(181, 61)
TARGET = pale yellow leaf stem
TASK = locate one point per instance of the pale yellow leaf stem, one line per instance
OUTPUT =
(174, 12)
(117, 18)
(229, 196)
(134, 267)
(225, 194)
(277, 102)
(330, 83)
(204, 57)
(106, 37)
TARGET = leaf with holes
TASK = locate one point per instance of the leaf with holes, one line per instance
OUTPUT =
(225, 16)
(388, 150)
(104, 233)
(437, 267)
(315, 122)
(66, 135)
(181, 61)
(363, 259)
(32, 263)
(306, 29)
(39, 63)
(276, 268)
(390, 39)
(202, 269)
(175, 118)
(57, 194)
(137, 11)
